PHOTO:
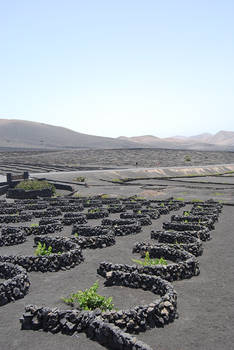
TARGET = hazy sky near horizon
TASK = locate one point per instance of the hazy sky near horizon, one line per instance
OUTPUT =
(119, 67)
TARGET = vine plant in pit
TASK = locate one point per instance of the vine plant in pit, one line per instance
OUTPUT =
(149, 261)
(41, 250)
(89, 299)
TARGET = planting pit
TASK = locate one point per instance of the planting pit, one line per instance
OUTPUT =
(185, 264)
(189, 243)
(67, 254)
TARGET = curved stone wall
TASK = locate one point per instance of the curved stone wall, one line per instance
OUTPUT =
(68, 254)
(16, 284)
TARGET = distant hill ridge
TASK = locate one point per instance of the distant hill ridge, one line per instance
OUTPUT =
(27, 134)
(221, 140)
(16, 133)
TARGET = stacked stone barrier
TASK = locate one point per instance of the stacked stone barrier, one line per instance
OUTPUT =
(142, 317)
(71, 321)
(71, 208)
(19, 193)
(160, 312)
(11, 236)
(97, 214)
(49, 221)
(92, 203)
(187, 242)
(10, 211)
(214, 215)
(22, 217)
(197, 220)
(202, 231)
(42, 229)
(47, 213)
(144, 219)
(90, 231)
(16, 284)
(185, 264)
(93, 237)
(123, 227)
(93, 242)
(116, 208)
(74, 218)
(153, 213)
(35, 206)
(124, 230)
(110, 201)
(67, 254)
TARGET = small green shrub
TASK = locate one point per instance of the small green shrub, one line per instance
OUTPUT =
(35, 185)
(80, 179)
(94, 210)
(103, 196)
(34, 225)
(89, 299)
(149, 262)
(195, 200)
(117, 180)
(186, 213)
(42, 250)
(56, 195)
(187, 158)
(77, 195)
(179, 245)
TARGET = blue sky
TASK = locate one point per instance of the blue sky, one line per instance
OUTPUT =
(119, 67)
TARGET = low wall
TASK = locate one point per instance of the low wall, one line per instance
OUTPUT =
(11, 236)
(191, 244)
(67, 255)
(3, 189)
(16, 285)
(70, 321)
(185, 266)
(18, 193)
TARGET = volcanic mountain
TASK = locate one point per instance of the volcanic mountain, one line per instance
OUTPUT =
(26, 134)
(16, 133)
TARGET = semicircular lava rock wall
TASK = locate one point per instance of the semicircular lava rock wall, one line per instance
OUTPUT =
(16, 284)
(67, 254)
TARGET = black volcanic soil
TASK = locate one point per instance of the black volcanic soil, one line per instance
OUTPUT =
(205, 302)
(45, 161)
